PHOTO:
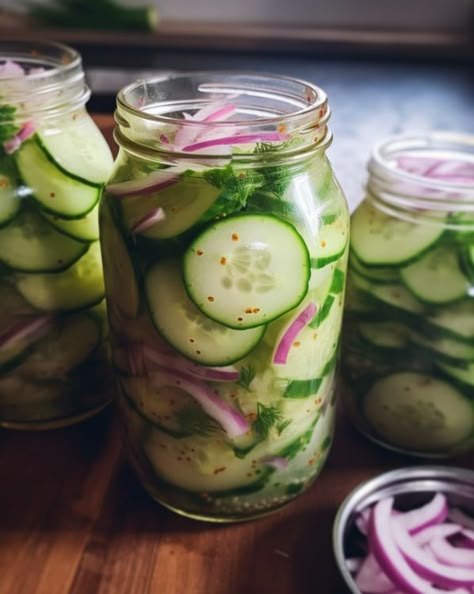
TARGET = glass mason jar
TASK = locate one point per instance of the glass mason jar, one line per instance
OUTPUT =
(408, 349)
(53, 164)
(224, 237)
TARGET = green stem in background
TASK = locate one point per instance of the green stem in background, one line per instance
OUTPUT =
(95, 14)
(7, 127)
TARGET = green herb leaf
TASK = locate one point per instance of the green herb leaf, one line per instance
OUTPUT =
(282, 426)
(236, 189)
(195, 421)
(302, 388)
(246, 376)
(8, 128)
(267, 417)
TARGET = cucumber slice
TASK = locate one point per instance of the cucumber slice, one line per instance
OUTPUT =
(168, 408)
(436, 278)
(17, 337)
(183, 203)
(417, 412)
(70, 343)
(9, 201)
(120, 278)
(329, 244)
(246, 270)
(375, 274)
(314, 348)
(381, 240)
(465, 375)
(396, 296)
(30, 244)
(77, 287)
(188, 330)
(76, 146)
(449, 347)
(456, 320)
(85, 229)
(55, 191)
(384, 335)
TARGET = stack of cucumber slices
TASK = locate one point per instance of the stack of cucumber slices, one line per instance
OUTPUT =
(51, 281)
(409, 333)
(227, 330)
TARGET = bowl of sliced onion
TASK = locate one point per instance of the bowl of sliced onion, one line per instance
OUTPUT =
(408, 531)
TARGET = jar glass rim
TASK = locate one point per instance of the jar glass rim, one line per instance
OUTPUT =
(60, 56)
(319, 97)
(380, 163)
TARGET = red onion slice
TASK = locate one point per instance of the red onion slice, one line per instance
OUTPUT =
(287, 340)
(11, 69)
(457, 515)
(353, 564)
(146, 185)
(446, 553)
(434, 512)
(390, 558)
(214, 112)
(435, 572)
(425, 536)
(150, 220)
(175, 362)
(417, 165)
(238, 139)
(27, 331)
(363, 520)
(276, 462)
(370, 578)
(232, 421)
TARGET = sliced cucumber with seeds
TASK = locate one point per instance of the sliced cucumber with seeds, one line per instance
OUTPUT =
(119, 271)
(70, 343)
(85, 229)
(54, 190)
(417, 412)
(378, 239)
(31, 244)
(436, 278)
(196, 336)
(246, 270)
(9, 201)
(79, 286)
(76, 146)
(456, 320)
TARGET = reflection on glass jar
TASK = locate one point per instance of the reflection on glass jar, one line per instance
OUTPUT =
(53, 164)
(409, 322)
(224, 236)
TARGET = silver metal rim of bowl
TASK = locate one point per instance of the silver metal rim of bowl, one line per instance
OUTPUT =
(457, 483)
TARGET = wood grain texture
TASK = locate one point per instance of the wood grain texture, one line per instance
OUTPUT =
(74, 520)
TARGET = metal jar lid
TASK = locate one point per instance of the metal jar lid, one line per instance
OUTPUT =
(411, 487)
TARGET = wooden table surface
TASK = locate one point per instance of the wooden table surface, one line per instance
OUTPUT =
(74, 520)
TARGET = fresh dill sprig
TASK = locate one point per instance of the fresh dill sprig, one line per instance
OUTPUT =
(280, 427)
(246, 376)
(196, 422)
(267, 417)
(236, 187)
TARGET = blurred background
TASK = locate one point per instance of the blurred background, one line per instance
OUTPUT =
(388, 66)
